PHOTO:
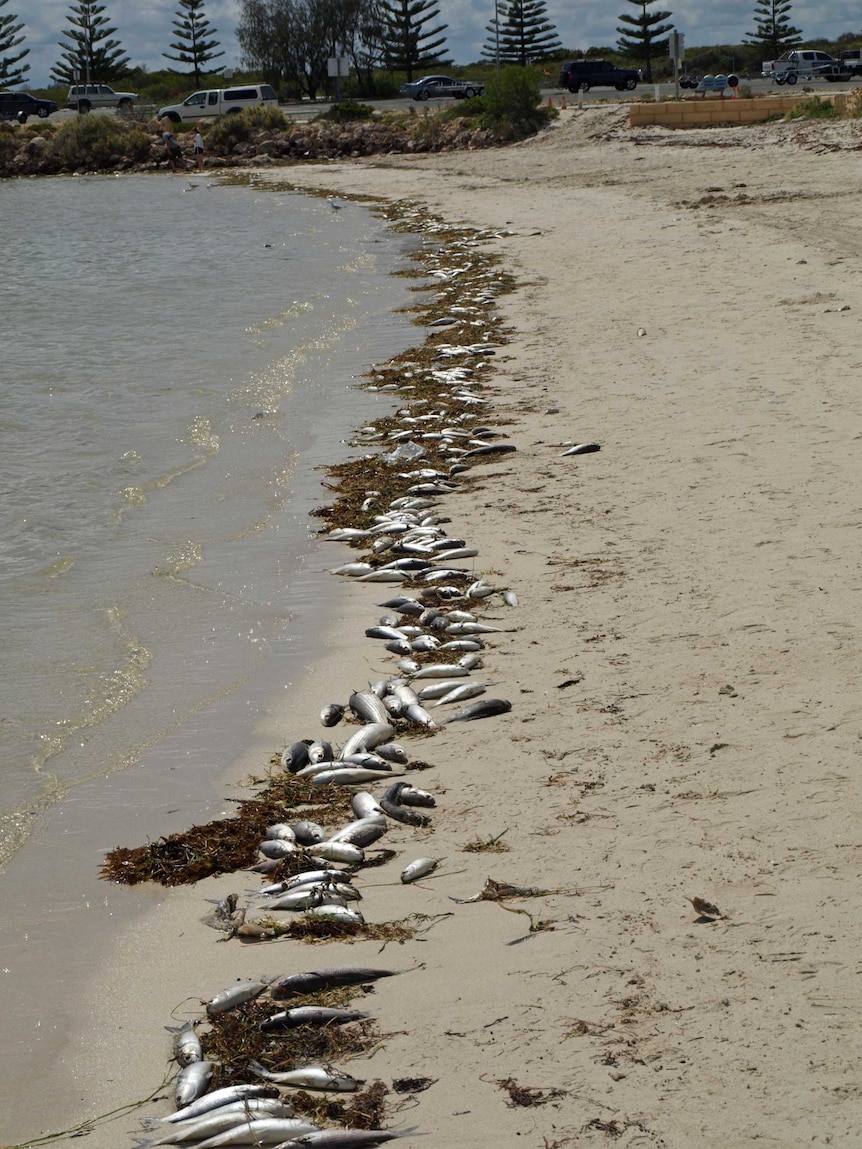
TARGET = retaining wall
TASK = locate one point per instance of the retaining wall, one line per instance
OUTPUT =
(701, 111)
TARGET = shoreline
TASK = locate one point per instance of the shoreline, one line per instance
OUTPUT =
(684, 723)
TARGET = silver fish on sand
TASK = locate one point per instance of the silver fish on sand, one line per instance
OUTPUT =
(219, 1120)
(192, 1080)
(187, 1045)
(484, 708)
(419, 869)
(215, 1100)
(235, 995)
(581, 449)
(341, 1139)
(312, 981)
(261, 1131)
(320, 1077)
(310, 1015)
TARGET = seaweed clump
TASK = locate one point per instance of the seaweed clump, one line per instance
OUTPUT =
(219, 847)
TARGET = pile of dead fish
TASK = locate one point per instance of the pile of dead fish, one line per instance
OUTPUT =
(432, 629)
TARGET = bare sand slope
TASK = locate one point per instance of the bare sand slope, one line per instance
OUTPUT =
(683, 666)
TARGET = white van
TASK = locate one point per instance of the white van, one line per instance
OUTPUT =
(220, 102)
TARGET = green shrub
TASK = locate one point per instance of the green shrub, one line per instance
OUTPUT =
(813, 109)
(97, 142)
(512, 104)
(240, 127)
(345, 111)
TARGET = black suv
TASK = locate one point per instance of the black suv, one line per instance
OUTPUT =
(586, 74)
(20, 105)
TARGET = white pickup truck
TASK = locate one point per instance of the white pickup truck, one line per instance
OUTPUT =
(805, 64)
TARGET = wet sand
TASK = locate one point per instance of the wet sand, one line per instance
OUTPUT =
(685, 722)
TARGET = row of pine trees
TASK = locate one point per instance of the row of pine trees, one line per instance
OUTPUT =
(291, 40)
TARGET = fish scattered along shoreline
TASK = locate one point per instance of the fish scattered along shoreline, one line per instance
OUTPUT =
(436, 637)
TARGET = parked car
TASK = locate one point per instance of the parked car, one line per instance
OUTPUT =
(83, 97)
(436, 86)
(805, 64)
(21, 105)
(220, 102)
(586, 74)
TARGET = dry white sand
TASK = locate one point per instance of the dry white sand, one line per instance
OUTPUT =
(686, 717)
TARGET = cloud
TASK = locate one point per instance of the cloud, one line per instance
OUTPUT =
(145, 30)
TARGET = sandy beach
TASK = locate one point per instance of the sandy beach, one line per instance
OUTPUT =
(685, 719)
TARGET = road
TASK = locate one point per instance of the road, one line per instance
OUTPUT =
(306, 110)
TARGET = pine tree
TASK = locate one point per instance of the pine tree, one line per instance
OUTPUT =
(89, 52)
(11, 75)
(641, 36)
(191, 29)
(406, 44)
(773, 31)
(523, 35)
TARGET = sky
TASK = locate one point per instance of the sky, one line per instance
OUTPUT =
(145, 28)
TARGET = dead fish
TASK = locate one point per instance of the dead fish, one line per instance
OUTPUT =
(236, 995)
(320, 752)
(457, 553)
(510, 598)
(332, 714)
(344, 852)
(310, 896)
(352, 570)
(419, 869)
(281, 831)
(486, 708)
(392, 752)
(276, 848)
(490, 449)
(369, 735)
(323, 1077)
(333, 912)
(350, 776)
(261, 1131)
(310, 1015)
(417, 714)
(313, 768)
(404, 814)
(363, 832)
(308, 833)
(187, 1045)
(367, 706)
(364, 805)
(295, 757)
(474, 628)
(465, 644)
(399, 646)
(366, 760)
(581, 449)
(441, 670)
(218, 1120)
(385, 632)
(310, 878)
(215, 1100)
(312, 981)
(345, 534)
(192, 1080)
(410, 796)
(342, 1139)
(462, 693)
(470, 661)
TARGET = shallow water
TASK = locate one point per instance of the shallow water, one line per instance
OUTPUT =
(172, 354)
(178, 363)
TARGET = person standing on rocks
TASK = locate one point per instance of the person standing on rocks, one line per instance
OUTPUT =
(173, 150)
(198, 144)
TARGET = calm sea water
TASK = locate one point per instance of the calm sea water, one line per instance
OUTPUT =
(176, 360)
